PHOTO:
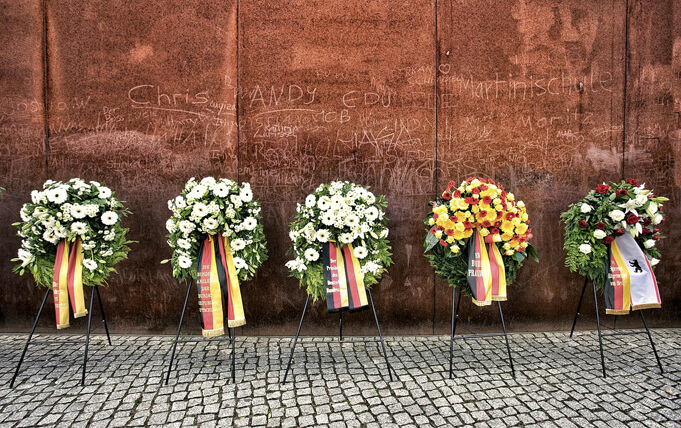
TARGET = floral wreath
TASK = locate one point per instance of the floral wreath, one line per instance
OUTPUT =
(605, 213)
(211, 207)
(347, 214)
(70, 211)
(476, 204)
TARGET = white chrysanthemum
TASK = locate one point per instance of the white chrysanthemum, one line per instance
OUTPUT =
(197, 192)
(91, 209)
(650, 243)
(351, 220)
(310, 201)
(324, 203)
(599, 234)
(370, 198)
(328, 218)
(57, 195)
(25, 256)
(221, 190)
(311, 255)
(616, 215)
(184, 243)
(208, 181)
(346, 238)
(246, 195)
(239, 263)
(371, 214)
(238, 244)
(186, 226)
(180, 202)
(360, 252)
(90, 264)
(249, 223)
(210, 224)
(371, 267)
(109, 218)
(184, 262)
(585, 248)
(323, 235)
(104, 192)
(171, 227)
(586, 208)
(78, 227)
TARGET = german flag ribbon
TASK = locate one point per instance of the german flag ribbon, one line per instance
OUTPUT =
(344, 279)
(630, 283)
(486, 273)
(67, 282)
(215, 278)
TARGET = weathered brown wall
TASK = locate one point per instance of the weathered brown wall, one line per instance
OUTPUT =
(548, 97)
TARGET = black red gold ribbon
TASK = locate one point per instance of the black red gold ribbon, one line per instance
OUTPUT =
(630, 283)
(67, 282)
(215, 277)
(344, 279)
(486, 273)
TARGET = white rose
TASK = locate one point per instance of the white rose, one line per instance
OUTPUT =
(641, 199)
(585, 248)
(652, 208)
(616, 215)
(654, 261)
(586, 208)
(657, 219)
(650, 243)
(599, 234)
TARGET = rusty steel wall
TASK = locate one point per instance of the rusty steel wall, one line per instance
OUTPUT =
(548, 97)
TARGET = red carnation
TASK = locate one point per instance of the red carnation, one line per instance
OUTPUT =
(493, 230)
(483, 187)
(497, 224)
(621, 192)
(509, 216)
(432, 231)
(632, 218)
(475, 201)
(475, 191)
(619, 232)
(602, 188)
(486, 223)
(470, 200)
(435, 216)
(632, 182)
(583, 224)
(457, 193)
(647, 221)
(468, 225)
(482, 180)
(449, 232)
(451, 184)
(645, 231)
(491, 181)
(469, 179)
(452, 218)
(483, 213)
(600, 225)
(447, 196)
(443, 242)
(608, 239)
(487, 200)
(499, 214)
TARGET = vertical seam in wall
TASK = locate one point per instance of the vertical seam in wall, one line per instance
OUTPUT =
(437, 60)
(624, 100)
(46, 129)
(238, 88)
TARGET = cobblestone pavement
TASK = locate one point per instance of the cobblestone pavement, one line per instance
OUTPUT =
(558, 383)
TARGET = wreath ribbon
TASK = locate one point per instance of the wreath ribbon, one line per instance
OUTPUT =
(67, 282)
(215, 277)
(630, 283)
(344, 279)
(486, 273)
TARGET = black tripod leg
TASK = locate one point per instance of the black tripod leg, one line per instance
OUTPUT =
(179, 327)
(451, 338)
(508, 348)
(233, 354)
(87, 337)
(579, 305)
(645, 324)
(30, 335)
(101, 308)
(385, 354)
(598, 324)
(458, 305)
(295, 341)
(340, 326)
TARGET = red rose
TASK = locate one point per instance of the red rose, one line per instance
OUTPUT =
(632, 182)
(619, 232)
(621, 192)
(656, 237)
(645, 231)
(450, 232)
(600, 225)
(602, 188)
(451, 184)
(583, 224)
(608, 239)
(469, 179)
(435, 216)
(486, 223)
(447, 196)
(632, 218)
(487, 200)
(491, 181)
(457, 193)
(483, 187)
(647, 221)
(656, 230)
(443, 242)
(482, 180)
(476, 191)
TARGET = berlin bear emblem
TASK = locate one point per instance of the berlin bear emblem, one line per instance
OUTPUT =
(635, 265)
